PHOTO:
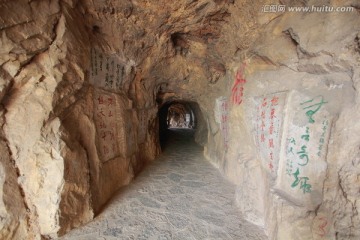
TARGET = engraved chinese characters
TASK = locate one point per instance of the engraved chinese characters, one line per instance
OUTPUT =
(269, 120)
(303, 155)
(221, 116)
(114, 126)
(292, 133)
(143, 118)
(107, 71)
(113, 115)
(105, 107)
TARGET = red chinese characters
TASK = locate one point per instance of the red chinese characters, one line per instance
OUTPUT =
(321, 228)
(268, 127)
(237, 91)
(105, 108)
(271, 144)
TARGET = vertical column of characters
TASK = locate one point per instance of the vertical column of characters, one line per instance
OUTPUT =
(324, 137)
(107, 71)
(142, 125)
(297, 157)
(105, 125)
(237, 91)
(101, 63)
(269, 129)
(224, 122)
(119, 73)
(299, 146)
(94, 63)
(262, 132)
(273, 131)
(110, 73)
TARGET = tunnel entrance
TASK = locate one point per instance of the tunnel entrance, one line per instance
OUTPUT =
(181, 116)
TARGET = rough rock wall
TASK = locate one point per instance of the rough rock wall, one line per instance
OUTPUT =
(77, 77)
(289, 125)
(56, 164)
(13, 208)
(43, 57)
(81, 82)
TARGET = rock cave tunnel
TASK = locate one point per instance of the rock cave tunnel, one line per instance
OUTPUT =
(178, 114)
(207, 119)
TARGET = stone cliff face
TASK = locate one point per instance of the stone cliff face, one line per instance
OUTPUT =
(275, 95)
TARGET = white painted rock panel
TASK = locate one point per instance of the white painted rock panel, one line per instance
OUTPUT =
(269, 122)
(107, 71)
(302, 165)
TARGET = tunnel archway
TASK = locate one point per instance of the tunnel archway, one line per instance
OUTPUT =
(185, 115)
(180, 115)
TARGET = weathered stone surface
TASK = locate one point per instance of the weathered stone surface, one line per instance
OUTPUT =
(81, 84)
(329, 73)
(12, 206)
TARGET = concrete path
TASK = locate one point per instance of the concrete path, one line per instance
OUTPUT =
(178, 196)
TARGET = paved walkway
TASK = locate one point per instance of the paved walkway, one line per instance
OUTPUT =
(178, 196)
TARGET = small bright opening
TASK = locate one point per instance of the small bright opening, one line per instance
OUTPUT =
(179, 116)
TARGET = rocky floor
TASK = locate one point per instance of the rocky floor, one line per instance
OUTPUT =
(178, 196)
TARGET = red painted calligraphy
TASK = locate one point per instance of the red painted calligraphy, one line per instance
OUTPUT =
(264, 103)
(102, 125)
(105, 123)
(321, 227)
(101, 113)
(101, 100)
(272, 113)
(262, 137)
(275, 101)
(238, 88)
(271, 144)
(106, 150)
(271, 166)
(110, 101)
(267, 127)
(271, 128)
